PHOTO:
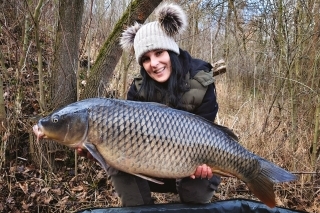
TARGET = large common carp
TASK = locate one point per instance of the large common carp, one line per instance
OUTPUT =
(153, 140)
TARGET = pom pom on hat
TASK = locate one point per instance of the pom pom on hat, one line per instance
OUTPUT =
(171, 20)
(128, 35)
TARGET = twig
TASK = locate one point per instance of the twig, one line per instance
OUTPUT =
(306, 173)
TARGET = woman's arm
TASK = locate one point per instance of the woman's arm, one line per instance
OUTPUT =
(208, 109)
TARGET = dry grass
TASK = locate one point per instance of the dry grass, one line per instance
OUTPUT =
(246, 116)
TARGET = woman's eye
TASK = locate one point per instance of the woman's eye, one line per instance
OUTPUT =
(159, 52)
(143, 60)
(55, 119)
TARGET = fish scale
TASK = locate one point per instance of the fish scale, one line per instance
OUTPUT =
(152, 140)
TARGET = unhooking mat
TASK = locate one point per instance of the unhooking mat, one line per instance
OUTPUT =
(225, 206)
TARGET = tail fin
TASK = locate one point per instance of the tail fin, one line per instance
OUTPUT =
(262, 185)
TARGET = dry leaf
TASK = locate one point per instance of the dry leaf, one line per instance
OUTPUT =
(33, 194)
(12, 169)
(46, 189)
(10, 200)
(24, 187)
(56, 191)
(25, 206)
(77, 189)
(48, 199)
(63, 201)
(279, 202)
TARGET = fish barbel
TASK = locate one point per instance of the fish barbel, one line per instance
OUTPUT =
(153, 140)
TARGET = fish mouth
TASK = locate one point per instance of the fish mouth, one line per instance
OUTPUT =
(38, 132)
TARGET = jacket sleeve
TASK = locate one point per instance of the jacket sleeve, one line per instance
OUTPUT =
(209, 107)
(132, 93)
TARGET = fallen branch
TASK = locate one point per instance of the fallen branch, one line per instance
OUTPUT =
(219, 67)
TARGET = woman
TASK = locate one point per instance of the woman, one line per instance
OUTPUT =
(170, 76)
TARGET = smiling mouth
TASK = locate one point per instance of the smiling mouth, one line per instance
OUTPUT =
(159, 70)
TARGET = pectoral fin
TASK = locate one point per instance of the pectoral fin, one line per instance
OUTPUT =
(148, 178)
(94, 152)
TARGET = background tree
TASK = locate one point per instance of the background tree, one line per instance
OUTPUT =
(65, 66)
(109, 55)
(2, 106)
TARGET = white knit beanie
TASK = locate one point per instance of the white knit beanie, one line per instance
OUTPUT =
(171, 20)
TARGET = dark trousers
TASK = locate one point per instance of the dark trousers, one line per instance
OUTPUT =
(134, 191)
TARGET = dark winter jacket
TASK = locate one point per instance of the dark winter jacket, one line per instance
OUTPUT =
(201, 98)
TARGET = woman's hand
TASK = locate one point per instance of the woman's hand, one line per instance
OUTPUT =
(84, 153)
(202, 171)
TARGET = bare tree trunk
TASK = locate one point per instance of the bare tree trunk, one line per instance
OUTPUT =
(126, 64)
(315, 82)
(237, 23)
(294, 73)
(64, 82)
(315, 138)
(36, 18)
(3, 114)
(110, 53)
(314, 52)
(64, 87)
(25, 40)
(226, 44)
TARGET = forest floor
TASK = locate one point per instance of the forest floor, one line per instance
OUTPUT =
(24, 188)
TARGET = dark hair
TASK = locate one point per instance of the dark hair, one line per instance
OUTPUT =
(169, 92)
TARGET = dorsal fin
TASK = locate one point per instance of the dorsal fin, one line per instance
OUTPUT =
(226, 130)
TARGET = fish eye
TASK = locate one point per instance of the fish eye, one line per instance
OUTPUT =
(55, 119)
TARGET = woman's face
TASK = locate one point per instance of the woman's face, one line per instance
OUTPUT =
(157, 63)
